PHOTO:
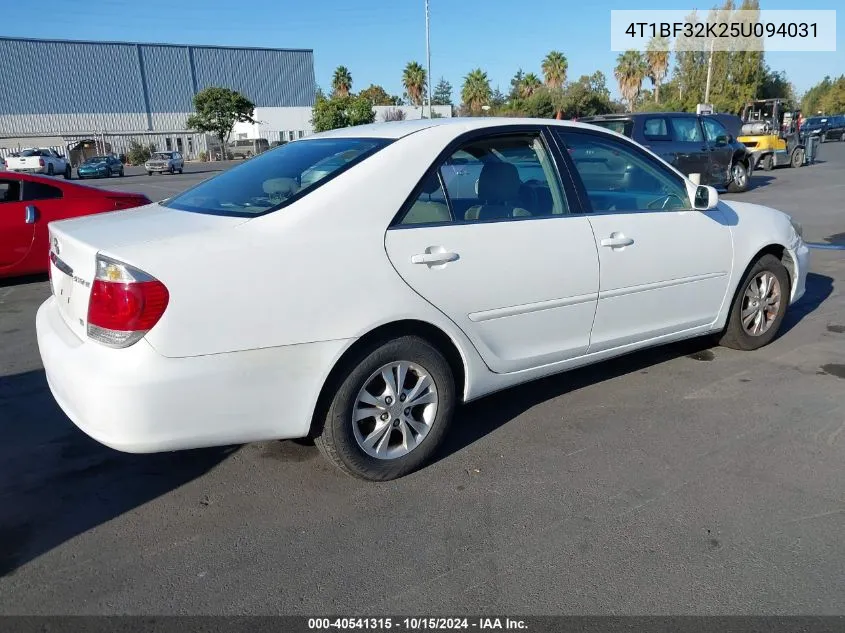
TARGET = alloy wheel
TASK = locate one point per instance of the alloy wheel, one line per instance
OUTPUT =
(761, 303)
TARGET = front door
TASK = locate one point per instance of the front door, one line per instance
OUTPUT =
(16, 234)
(502, 257)
(664, 266)
(721, 152)
(693, 153)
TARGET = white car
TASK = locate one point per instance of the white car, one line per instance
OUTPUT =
(40, 160)
(362, 308)
(165, 162)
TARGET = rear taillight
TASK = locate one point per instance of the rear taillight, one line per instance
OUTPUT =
(41, 162)
(125, 303)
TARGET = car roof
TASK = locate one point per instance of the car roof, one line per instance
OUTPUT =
(399, 129)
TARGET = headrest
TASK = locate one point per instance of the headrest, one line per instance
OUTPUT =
(498, 182)
(280, 187)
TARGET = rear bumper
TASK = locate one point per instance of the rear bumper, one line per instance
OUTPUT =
(136, 400)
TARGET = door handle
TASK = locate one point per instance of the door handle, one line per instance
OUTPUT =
(31, 214)
(434, 258)
(617, 241)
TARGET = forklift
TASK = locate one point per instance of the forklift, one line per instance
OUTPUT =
(770, 132)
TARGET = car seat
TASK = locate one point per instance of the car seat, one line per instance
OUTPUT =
(499, 193)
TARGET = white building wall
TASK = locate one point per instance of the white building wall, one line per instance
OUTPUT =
(273, 122)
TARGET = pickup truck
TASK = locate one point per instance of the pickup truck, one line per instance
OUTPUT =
(39, 161)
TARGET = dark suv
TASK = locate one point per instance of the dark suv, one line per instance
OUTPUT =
(693, 144)
(828, 128)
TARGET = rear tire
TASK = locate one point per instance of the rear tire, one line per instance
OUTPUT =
(739, 178)
(822, 138)
(149, 173)
(121, 172)
(68, 172)
(341, 439)
(768, 162)
(738, 335)
(50, 170)
(842, 138)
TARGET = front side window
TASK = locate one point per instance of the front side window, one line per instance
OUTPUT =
(686, 129)
(502, 177)
(274, 178)
(618, 177)
(714, 130)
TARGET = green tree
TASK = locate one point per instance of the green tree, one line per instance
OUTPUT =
(442, 93)
(138, 154)
(834, 100)
(338, 112)
(516, 85)
(630, 71)
(812, 101)
(657, 58)
(341, 82)
(554, 68)
(498, 100)
(530, 84)
(476, 91)
(587, 96)
(377, 95)
(540, 105)
(413, 78)
(217, 111)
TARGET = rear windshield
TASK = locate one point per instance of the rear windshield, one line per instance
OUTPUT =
(275, 178)
(31, 152)
(620, 126)
(162, 155)
(815, 121)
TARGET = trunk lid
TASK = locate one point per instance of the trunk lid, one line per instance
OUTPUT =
(74, 245)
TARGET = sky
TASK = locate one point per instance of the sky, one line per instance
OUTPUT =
(374, 39)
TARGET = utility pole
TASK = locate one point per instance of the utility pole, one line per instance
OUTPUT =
(428, 56)
(709, 73)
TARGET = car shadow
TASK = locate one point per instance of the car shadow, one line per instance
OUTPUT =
(758, 181)
(26, 279)
(57, 483)
(818, 289)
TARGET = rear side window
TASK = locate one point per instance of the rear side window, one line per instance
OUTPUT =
(40, 191)
(620, 126)
(10, 191)
(687, 130)
(276, 178)
(655, 129)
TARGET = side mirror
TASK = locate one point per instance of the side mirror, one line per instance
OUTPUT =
(31, 214)
(705, 198)
(723, 140)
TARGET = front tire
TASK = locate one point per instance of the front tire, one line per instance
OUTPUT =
(50, 170)
(759, 306)
(391, 407)
(797, 158)
(739, 178)
(768, 162)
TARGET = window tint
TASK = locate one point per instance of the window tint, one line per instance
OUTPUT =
(713, 129)
(274, 178)
(430, 206)
(618, 177)
(503, 177)
(686, 129)
(655, 127)
(10, 191)
(40, 191)
(620, 126)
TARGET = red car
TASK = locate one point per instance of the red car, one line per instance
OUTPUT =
(28, 202)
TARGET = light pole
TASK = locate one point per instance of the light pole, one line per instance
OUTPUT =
(428, 57)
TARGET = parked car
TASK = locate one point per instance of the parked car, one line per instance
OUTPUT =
(39, 161)
(694, 144)
(29, 202)
(827, 128)
(100, 167)
(360, 309)
(161, 162)
(247, 147)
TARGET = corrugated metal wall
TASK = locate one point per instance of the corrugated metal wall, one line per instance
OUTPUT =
(64, 87)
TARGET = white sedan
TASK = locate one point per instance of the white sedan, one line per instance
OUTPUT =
(435, 262)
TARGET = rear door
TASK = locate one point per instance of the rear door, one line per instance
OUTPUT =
(502, 254)
(692, 150)
(16, 234)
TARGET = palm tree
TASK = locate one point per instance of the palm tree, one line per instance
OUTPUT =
(630, 71)
(530, 84)
(657, 59)
(341, 82)
(414, 81)
(476, 90)
(554, 70)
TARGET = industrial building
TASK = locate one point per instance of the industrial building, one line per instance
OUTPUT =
(71, 94)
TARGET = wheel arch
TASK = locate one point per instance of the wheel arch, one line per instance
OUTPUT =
(442, 341)
(778, 250)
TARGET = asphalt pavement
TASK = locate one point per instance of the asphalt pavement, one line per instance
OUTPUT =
(686, 479)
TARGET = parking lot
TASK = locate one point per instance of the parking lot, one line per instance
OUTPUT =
(686, 479)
